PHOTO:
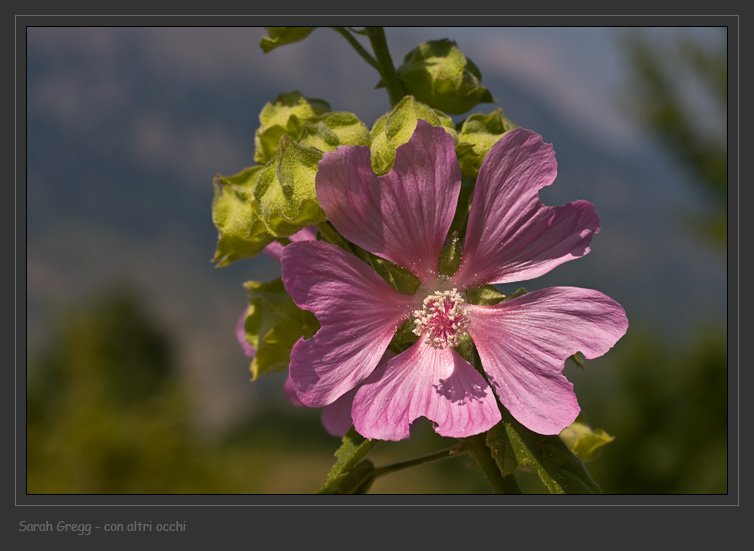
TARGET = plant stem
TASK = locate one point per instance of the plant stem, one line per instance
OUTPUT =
(436, 456)
(387, 69)
(358, 47)
(500, 484)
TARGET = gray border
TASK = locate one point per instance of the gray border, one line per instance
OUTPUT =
(220, 507)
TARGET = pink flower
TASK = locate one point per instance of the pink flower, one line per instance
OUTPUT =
(404, 217)
(336, 417)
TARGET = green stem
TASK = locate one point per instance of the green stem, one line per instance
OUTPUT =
(358, 47)
(500, 484)
(436, 456)
(387, 69)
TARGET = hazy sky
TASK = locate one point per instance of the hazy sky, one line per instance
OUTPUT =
(128, 127)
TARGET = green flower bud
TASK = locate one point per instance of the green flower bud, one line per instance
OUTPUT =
(273, 324)
(280, 36)
(479, 132)
(583, 441)
(396, 128)
(234, 211)
(438, 74)
(283, 116)
(285, 189)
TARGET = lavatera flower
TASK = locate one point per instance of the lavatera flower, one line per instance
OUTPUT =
(404, 217)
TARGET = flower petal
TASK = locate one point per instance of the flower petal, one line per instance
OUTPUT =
(511, 236)
(336, 417)
(275, 248)
(241, 335)
(424, 382)
(523, 344)
(358, 313)
(289, 387)
(403, 216)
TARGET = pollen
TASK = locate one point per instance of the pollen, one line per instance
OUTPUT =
(442, 319)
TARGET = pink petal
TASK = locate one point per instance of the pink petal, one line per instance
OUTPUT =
(275, 248)
(424, 382)
(358, 313)
(289, 388)
(511, 235)
(523, 344)
(241, 335)
(403, 216)
(336, 418)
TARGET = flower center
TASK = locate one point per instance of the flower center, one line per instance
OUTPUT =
(442, 319)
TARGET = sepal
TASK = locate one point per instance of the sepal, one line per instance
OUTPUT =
(235, 213)
(285, 189)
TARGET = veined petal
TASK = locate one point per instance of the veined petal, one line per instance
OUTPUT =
(424, 382)
(404, 215)
(523, 344)
(358, 314)
(511, 236)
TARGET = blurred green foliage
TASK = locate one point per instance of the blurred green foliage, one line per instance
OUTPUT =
(667, 405)
(109, 413)
(675, 115)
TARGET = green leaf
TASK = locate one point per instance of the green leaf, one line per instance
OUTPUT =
(284, 116)
(396, 128)
(285, 189)
(513, 445)
(235, 214)
(584, 442)
(273, 324)
(350, 474)
(479, 132)
(440, 75)
(280, 36)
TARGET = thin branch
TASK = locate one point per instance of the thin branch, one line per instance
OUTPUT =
(358, 47)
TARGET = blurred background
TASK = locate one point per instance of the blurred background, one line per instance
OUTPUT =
(135, 382)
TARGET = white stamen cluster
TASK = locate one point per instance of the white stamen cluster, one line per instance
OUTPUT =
(442, 319)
